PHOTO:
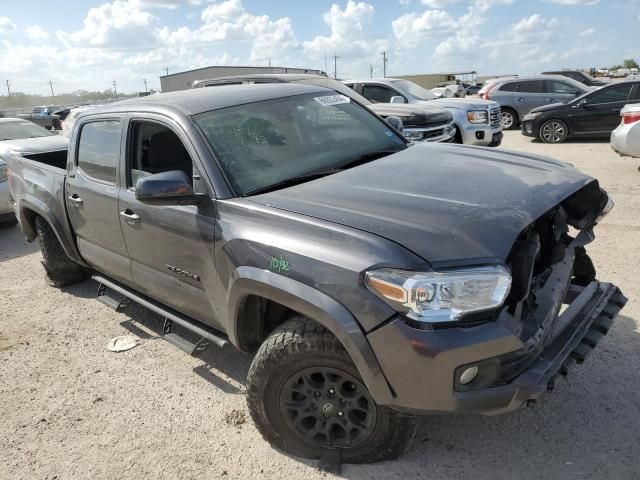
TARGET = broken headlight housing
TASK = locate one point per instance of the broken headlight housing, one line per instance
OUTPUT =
(445, 296)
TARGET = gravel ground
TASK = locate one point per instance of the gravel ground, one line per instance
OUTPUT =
(73, 410)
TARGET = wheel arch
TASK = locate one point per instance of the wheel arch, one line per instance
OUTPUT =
(249, 283)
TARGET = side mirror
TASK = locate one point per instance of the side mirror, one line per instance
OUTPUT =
(166, 188)
(395, 122)
(397, 99)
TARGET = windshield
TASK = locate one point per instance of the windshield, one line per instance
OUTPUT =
(267, 143)
(18, 130)
(415, 91)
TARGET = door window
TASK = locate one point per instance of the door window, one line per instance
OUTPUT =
(619, 93)
(509, 87)
(554, 86)
(378, 93)
(154, 148)
(531, 86)
(99, 150)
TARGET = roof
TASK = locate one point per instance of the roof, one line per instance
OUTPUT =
(239, 66)
(285, 77)
(199, 100)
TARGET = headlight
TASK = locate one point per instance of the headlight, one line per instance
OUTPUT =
(531, 116)
(478, 116)
(3, 173)
(444, 296)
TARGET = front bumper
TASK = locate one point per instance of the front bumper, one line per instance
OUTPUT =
(6, 208)
(483, 135)
(421, 365)
(527, 128)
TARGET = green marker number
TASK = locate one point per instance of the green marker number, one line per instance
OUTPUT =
(279, 264)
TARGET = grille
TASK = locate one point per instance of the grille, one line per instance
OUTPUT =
(494, 117)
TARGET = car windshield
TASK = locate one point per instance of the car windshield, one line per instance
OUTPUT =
(18, 130)
(413, 90)
(276, 143)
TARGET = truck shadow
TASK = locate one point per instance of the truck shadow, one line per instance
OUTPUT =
(13, 244)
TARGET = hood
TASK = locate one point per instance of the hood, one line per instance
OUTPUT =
(464, 103)
(53, 143)
(411, 115)
(548, 107)
(448, 204)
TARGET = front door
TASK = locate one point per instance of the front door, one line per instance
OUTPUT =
(599, 112)
(92, 196)
(171, 247)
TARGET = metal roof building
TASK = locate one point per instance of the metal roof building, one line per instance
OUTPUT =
(183, 80)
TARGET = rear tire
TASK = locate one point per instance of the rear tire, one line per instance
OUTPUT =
(553, 131)
(509, 119)
(307, 398)
(60, 269)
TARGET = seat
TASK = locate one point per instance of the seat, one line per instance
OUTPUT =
(166, 152)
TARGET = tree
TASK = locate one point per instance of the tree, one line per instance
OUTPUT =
(630, 63)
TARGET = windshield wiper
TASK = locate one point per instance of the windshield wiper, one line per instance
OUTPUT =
(290, 182)
(368, 157)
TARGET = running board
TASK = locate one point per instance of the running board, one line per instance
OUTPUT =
(205, 332)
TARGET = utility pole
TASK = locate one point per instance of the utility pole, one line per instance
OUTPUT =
(51, 85)
(8, 89)
(370, 70)
(335, 66)
(166, 69)
(115, 87)
(384, 64)
(145, 84)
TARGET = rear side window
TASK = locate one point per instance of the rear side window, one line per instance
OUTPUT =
(619, 93)
(99, 150)
(509, 87)
(531, 86)
(378, 93)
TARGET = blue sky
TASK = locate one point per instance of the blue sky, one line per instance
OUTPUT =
(88, 44)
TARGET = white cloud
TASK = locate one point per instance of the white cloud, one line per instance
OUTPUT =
(36, 32)
(437, 4)
(588, 31)
(6, 25)
(485, 5)
(576, 2)
(412, 28)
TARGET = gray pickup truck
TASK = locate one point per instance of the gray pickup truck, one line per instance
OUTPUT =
(373, 280)
(44, 117)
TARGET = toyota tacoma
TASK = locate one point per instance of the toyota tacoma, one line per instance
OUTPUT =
(374, 280)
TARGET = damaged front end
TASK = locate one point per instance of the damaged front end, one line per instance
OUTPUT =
(501, 360)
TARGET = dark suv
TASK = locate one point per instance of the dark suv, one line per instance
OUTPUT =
(579, 76)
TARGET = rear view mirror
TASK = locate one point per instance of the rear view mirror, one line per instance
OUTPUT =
(166, 188)
(395, 122)
(397, 99)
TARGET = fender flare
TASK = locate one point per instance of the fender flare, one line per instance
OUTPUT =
(316, 305)
(32, 204)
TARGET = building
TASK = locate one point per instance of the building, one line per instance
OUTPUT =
(183, 80)
(433, 80)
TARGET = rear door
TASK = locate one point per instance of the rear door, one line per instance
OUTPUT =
(530, 94)
(378, 93)
(92, 195)
(171, 247)
(599, 112)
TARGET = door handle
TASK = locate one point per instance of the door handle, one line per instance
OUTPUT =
(520, 100)
(75, 200)
(549, 99)
(130, 217)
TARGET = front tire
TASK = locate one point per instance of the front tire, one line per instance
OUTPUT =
(553, 131)
(307, 398)
(60, 269)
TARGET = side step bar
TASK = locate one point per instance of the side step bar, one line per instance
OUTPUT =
(203, 331)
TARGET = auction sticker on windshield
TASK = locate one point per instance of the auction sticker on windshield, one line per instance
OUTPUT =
(328, 100)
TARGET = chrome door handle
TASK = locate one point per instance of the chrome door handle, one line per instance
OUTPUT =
(520, 99)
(129, 216)
(75, 200)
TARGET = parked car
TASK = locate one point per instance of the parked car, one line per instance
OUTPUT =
(473, 89)
(18, 136)
(419, 122)
(477, 121)
(626, 138)
(579, 76)
(44, 117)
(442, 92)
(593, 115)
(374, 281)
(518, 96)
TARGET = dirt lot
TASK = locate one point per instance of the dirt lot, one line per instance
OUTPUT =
(71, 409)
